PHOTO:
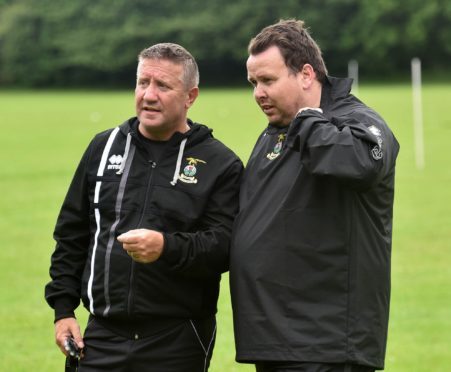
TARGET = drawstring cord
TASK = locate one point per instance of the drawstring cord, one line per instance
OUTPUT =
(179, 162)
(126, 151)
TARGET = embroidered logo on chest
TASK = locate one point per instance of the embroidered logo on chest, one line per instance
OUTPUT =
(115, 162)
(190, 170)
(277, 147)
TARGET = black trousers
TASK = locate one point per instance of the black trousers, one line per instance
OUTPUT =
(183, 347)
(309, 367)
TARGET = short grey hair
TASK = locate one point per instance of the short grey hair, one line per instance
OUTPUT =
(178, 55)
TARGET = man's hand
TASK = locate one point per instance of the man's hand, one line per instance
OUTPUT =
(142, 245)
(66, 328)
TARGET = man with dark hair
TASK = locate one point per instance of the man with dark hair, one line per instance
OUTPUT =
(144, 232)
(311, 245)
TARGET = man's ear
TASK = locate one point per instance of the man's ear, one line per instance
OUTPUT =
(308, 75)
(192, 95)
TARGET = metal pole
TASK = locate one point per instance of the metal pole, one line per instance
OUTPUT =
(353, 73)
(417, 113)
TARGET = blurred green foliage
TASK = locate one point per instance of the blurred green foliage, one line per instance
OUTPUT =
(73, 43)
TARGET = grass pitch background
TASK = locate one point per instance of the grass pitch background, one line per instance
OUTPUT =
(43, 134)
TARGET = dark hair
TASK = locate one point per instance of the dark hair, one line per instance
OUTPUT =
(177, 54)
(295, 44)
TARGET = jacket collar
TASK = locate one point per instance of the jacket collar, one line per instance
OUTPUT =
(197, 132)
(334, 88)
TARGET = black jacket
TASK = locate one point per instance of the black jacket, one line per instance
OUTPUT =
(118, 187)
(310, 257)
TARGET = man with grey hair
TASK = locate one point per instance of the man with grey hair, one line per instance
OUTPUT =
(143, 234)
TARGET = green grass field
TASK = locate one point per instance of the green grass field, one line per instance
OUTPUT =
(44, 134)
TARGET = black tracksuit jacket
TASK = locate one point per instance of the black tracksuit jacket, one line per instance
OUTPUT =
(118, 187)
(310, 256)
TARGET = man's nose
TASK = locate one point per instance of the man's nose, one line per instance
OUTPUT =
(259, 91)
(150, 94)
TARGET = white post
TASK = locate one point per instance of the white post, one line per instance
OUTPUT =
(353, 73)
(417, 113)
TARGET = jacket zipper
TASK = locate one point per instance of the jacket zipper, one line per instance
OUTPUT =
(146, 199)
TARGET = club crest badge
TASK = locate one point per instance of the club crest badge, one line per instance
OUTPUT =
(190, 170)
(277, 148)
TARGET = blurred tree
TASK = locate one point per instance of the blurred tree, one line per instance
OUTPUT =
(64, 42)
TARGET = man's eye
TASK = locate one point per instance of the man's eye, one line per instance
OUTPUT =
(162, 85)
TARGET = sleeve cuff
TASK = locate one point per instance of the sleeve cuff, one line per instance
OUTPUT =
(64, 309)
(169, 252)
